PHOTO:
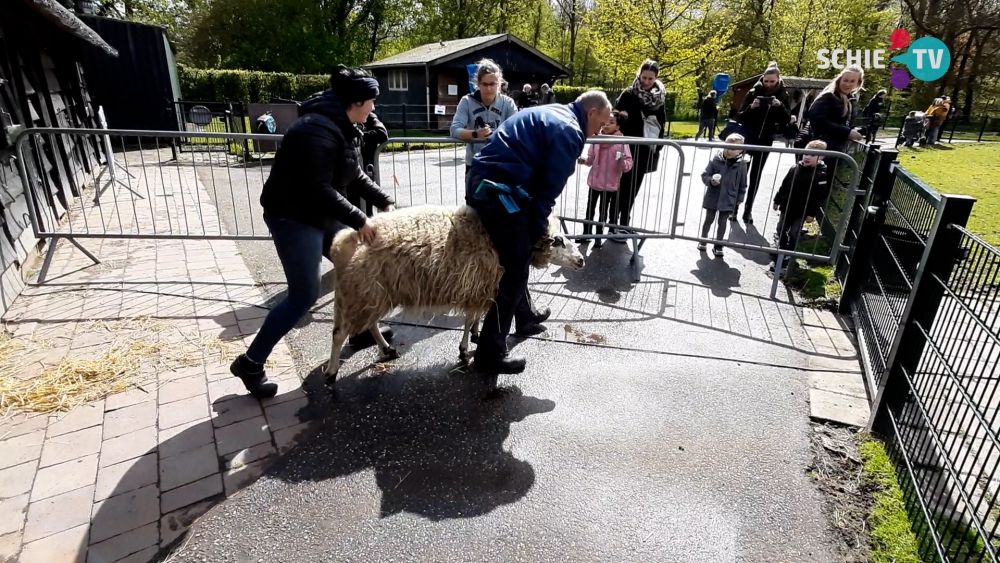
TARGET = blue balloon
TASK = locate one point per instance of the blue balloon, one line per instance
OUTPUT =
(927, 59)
(720, 84)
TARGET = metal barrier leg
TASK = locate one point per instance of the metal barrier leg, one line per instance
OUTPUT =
(51, 251)
(778, 263)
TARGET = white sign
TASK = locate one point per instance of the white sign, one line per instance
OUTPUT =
(439, 110)
(453, 89)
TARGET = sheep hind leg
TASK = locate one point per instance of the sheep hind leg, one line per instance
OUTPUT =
(475, 330)
(471, 325)
(333, 366)
(388, 352)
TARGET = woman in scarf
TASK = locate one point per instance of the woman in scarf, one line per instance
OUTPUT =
(764, 112)
(644, 103)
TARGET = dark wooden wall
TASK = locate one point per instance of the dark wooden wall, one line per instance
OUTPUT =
(43, 86)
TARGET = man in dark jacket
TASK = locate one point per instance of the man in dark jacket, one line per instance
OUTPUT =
(373, 134)
(304, 198)
(513, 183)
(873, 115)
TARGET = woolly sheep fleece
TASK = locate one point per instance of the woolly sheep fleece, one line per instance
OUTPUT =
(424, 258)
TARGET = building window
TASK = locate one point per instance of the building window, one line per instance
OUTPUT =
(397, 80)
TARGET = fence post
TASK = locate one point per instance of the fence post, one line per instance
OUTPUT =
(879, 163)
(982, 130)
(921, 309)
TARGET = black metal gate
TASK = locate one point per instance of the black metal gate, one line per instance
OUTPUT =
(922, 291)
(212, 117)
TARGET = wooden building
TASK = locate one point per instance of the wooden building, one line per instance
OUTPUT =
(436, 74)
(41, 85)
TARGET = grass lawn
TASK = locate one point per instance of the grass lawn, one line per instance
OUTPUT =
(968, 169)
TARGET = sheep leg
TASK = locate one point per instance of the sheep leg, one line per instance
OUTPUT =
(333, 366)
(463, 348)
(388, 352)
(475, 330)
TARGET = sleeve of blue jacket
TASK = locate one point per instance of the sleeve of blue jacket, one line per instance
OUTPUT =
(565, 147)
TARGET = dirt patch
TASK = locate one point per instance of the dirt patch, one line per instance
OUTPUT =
(583, 337)
(839, 472)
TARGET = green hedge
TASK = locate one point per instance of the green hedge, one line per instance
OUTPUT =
(246, 85)
(566, 94)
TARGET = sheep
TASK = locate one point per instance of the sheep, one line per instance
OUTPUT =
(429, 259)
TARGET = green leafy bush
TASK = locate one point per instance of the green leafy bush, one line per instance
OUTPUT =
(246, 85)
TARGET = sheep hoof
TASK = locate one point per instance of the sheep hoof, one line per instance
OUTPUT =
(463, 356)
(474, 338)
(390, 353)
(330, 381)
(331, 369)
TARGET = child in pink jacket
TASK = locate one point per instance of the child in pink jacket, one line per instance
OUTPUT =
(607, 164)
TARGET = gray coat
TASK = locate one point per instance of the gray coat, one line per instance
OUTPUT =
(732, 190)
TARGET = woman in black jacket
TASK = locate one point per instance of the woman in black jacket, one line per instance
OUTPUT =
(830, 114)
(764, 113)
(304, 198)
(644, 102)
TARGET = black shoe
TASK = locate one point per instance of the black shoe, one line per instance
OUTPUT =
(503, 364)
(533, 326)
(365, 339)
(254, 378)
(748, 219)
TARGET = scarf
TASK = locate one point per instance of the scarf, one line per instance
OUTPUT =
(652, 99)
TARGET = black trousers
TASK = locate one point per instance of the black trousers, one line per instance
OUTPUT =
(757, 161)
(509, 235)
(596, 198)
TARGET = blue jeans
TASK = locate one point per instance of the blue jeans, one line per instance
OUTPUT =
(300, 250)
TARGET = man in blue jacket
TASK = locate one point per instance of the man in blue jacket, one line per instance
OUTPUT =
(513, 183)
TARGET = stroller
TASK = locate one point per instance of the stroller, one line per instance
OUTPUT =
(913, 128)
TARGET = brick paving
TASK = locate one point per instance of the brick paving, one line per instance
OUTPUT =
(121, 478)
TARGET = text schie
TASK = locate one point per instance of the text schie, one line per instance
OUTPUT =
(841, 58)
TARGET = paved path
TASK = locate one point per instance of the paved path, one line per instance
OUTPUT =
(120, 478)
(660, 420)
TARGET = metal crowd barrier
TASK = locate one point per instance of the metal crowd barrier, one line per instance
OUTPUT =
(154, 192)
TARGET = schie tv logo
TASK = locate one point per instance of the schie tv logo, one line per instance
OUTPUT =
(928, 58)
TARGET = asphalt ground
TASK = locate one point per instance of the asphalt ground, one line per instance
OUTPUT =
(664, 419)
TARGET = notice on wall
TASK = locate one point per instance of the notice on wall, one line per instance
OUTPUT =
(439, 110)
(453, 89)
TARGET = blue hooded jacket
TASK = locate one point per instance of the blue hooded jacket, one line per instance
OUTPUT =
(535, 150)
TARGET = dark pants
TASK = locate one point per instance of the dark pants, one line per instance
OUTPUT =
(300, 250)
(720, 232)
(789, 231)
(509, 235)
(706, 125)
(604, 199)
(757, 161)
(628, 189)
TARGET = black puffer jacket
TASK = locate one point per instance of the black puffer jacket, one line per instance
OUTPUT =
(803, 192)
(765, 121)
(319, 157)
(829, 121)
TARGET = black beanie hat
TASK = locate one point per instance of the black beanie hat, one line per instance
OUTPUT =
(353, 85)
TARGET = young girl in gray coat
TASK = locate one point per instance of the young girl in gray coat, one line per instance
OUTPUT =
(726, 187)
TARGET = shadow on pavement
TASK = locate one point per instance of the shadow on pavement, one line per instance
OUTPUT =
(434, 438)
(717, 275)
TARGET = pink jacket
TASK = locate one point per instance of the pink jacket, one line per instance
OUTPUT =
(605, 171)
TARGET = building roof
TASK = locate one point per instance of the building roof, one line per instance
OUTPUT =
(443, 51)
(60, 17)
(790, 82)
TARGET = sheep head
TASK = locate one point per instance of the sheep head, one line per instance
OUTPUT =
(556, 249)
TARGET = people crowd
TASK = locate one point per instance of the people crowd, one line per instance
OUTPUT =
(519, 156)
